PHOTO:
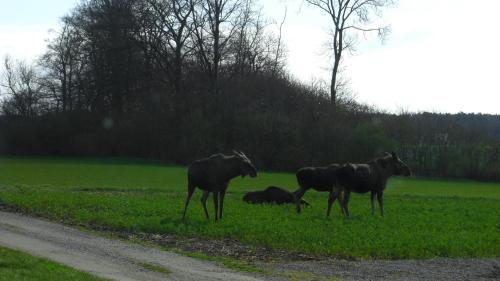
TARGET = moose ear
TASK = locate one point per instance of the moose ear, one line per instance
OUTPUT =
(243, 155)
(382, 162)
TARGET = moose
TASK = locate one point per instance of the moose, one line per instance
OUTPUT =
(212, 174)
(321, 179)
(272, 194)
(370, 177)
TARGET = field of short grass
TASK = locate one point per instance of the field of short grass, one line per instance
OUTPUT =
(424, 218)
(15, 265)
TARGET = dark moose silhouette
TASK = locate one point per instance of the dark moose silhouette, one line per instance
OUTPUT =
(370, 177)
(273, 195)
(213, 174)
(321, 179)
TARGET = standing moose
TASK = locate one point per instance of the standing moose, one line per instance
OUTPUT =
(213, 174)
(372, 176)
(320, 179)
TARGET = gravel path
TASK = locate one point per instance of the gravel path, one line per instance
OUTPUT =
(439, 269)
(118, 260)
(107, 258)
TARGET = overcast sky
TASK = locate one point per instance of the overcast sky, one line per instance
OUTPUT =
(442, 55)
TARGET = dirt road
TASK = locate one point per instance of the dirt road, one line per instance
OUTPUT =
(107, 258)
(118, 260)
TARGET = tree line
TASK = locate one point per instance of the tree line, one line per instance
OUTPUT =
(177, 80)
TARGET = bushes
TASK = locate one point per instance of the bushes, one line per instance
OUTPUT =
(473, 161)
(273, 138)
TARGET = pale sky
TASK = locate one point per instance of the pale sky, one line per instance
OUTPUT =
(442, 55)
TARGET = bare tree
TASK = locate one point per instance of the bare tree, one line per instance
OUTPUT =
(279, 49)
(248, 31)
(62, 66)
(349, 17)
(254, 48)
(216, 23)
(22, 89)
(167, 28)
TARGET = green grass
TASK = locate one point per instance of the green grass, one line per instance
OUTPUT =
(16, 265)
(444, 188)
(228, 262)
(155, 268)
(424, 218)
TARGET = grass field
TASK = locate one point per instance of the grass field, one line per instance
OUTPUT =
(18, 266)
(424, 218)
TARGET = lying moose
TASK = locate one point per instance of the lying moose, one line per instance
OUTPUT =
(370, 177)
(273, 195)
(213, 174)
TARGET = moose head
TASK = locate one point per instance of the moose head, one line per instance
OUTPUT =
(399, 168)
(246, 166)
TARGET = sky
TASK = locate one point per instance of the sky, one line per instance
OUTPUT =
(441, 56)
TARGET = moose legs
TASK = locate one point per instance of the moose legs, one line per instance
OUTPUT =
(219, 203)
(379, 194)
(372, 201)
(380, 202)
(190, 194)
(345, 202)
(334, 194)
(216, 204)
(298, 195)
(221, 197)
(204, 198)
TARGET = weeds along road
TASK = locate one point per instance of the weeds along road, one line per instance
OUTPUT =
(102, 257)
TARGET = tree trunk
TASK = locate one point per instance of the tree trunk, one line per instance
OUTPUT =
(333, 86)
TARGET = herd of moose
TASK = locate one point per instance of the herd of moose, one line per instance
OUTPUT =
(213, 174)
